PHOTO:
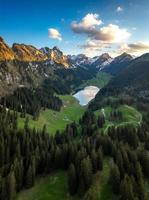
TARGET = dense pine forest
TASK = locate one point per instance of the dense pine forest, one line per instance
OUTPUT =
(80, 150)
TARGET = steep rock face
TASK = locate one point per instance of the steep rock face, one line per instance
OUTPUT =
(15, 73)
(124, 57)
(102, 61)
(28, 53)
(6, 52)
(97, 62)
(26, 66)
(79, 60)
(56, 56)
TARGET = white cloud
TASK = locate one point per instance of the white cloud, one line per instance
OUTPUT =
(93, 44)
(137, 48)
(111, 33)
(88, 23)
(93, 47)
(54, 34)
(89, 26)
(119, 9)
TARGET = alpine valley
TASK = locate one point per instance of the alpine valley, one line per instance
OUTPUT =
(52, 147)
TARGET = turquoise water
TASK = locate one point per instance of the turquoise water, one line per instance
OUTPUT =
(86, 95)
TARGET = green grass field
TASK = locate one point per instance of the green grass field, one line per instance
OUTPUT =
(51, 187)
(100, 80)
(54, 120)
(54, 187)
(100, 188)
(130, 116)
(105, 191)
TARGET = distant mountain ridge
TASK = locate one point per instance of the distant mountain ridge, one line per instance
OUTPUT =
(102, 62)
(131, 83)
(136, 75)
(118, 64)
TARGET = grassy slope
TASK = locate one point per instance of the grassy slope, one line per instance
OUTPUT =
(104, 187)
(51, 187)
(57, 120)
(54, 187)
(130, 116)
(100, 80)
(71, 110)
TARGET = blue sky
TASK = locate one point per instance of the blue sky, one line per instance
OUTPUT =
(80, 26)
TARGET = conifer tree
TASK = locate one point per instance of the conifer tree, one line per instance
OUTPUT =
(11, 187)
(94, 161)
(126, 189)
(100, 159)
(115, 178)
(72, 179)
(86, 174)
(29, 177)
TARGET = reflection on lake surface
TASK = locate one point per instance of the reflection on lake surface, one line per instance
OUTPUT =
(86, 95)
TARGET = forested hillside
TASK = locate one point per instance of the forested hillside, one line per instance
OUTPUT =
(27, 153)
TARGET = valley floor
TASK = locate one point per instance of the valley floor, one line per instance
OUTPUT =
(71, 111)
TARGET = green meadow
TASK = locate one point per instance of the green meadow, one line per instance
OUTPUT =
(50, 187)
(100, 80)
(54, 187)
(71, 111)
(130, 116)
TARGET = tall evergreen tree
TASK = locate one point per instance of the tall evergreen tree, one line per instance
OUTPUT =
(115, 178)
(100, 159)
(86, 174)
(72, 179)
(126, 189)
(11, 188)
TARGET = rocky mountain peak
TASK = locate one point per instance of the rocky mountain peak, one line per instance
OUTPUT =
(28, 53)
(55, 48)
(123, 57)
(1, 39)
(6, 52)
(105, 56)
(55, 55)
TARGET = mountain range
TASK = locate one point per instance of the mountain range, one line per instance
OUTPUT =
(54, 56)
(26, 66)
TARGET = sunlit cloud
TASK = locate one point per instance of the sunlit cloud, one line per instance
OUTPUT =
(54, 34)
(137, 48)
(87, 24)
(111, 33)
(93, 44)
(93, 47)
